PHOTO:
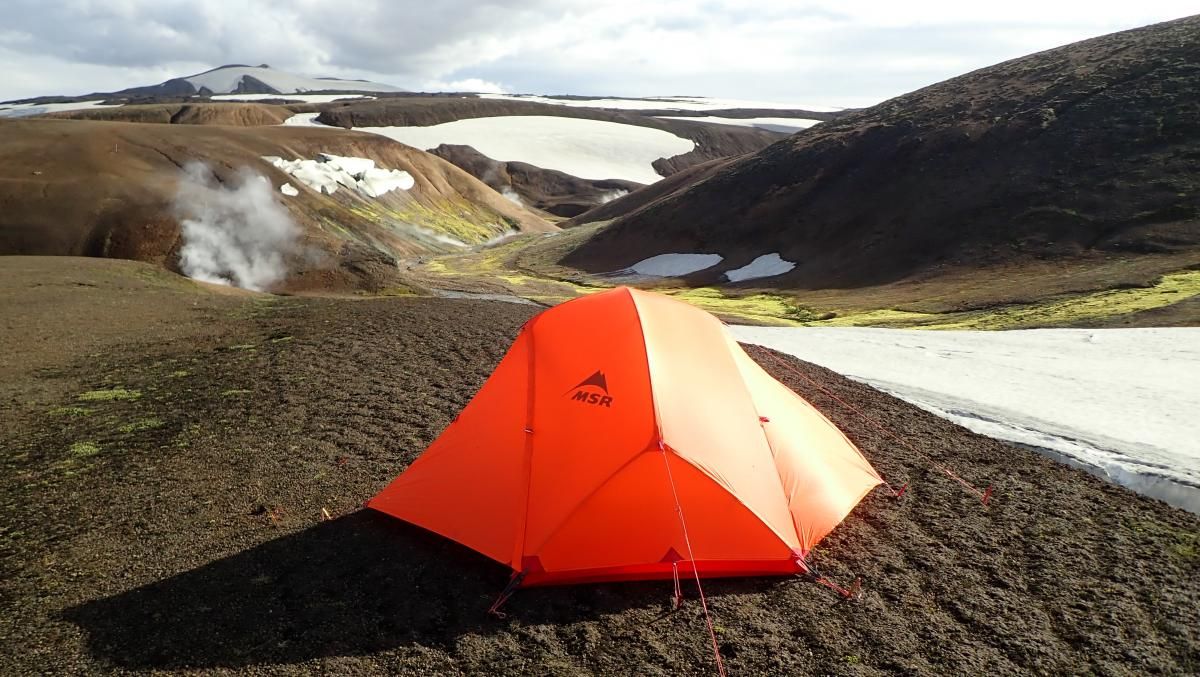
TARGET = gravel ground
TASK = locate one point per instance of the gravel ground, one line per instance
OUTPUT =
(165, 496)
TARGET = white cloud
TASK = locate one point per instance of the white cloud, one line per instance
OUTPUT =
(848, 53)
(467, 85)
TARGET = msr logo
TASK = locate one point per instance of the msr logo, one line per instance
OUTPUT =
(589, 391)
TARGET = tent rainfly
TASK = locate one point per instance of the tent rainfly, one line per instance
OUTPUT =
(626, 435)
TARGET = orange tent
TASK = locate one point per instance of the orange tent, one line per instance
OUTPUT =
(626, 435)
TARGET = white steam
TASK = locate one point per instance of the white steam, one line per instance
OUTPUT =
(612, 195)
(511, 195)
(234, 233)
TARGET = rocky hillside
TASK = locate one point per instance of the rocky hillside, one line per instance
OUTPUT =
(678, 182)
(238, 114)
(1086, 151)
(547, 190)
(77, 187)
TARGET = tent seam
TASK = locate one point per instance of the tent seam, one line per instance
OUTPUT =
(656, 438)
(637, 314)
(787, 499)
(518, 562)
(702, 470)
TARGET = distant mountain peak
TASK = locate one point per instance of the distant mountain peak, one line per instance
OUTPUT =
(243, 79)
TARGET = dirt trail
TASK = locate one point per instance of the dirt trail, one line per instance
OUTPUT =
(181, 527)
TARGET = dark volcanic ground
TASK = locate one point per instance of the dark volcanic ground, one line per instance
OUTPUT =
(178, 524)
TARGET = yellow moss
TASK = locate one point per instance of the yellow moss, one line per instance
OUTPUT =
(514, 264)
(874, 318)
(84, 449)
(761, 308)
(460, 220)
(395, 291)
(109, 395)
(1170, 289)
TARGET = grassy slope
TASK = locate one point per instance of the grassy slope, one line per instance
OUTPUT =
(1111, 292)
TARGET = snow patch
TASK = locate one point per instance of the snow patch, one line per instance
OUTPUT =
(785, 125)
(674, 265)
(1120, 403)
(306, 98)
(588, 149)
(697, 103)
(20, 110)
(289, 190)
(306, 120)
(233, 234)
(767, 265)
(328, 171)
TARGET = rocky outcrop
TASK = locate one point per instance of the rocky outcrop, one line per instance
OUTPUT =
(547, 190)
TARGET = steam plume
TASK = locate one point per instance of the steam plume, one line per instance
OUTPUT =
(234, 234)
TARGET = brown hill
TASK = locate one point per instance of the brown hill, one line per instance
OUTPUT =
(626, 204)
(1089, 150)
(239, 114)
(548, 190)
(712, 141)
(74, 187)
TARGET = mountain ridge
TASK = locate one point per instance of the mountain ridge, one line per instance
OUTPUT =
(238, 79)
(1086, 149)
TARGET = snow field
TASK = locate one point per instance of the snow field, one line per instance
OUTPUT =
(306, 98)
(767, 265)
(1121, 403)
(306, 120)
(588, 149)
(786, 125)
(20, 110)
(662, 103)
(674, 265)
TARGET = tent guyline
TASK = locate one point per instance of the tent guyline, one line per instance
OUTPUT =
(984, 495)
(627, 436)
(712, 634)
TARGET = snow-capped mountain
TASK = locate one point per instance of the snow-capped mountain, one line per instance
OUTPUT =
(230, 79)
(237, 79)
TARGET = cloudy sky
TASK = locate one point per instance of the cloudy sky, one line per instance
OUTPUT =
(823, 52)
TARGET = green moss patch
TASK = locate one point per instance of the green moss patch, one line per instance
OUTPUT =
(141, 424)
(71, 412)
(109, 395)
(84, 449)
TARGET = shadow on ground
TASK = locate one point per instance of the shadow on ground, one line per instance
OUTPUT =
(356, 585)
